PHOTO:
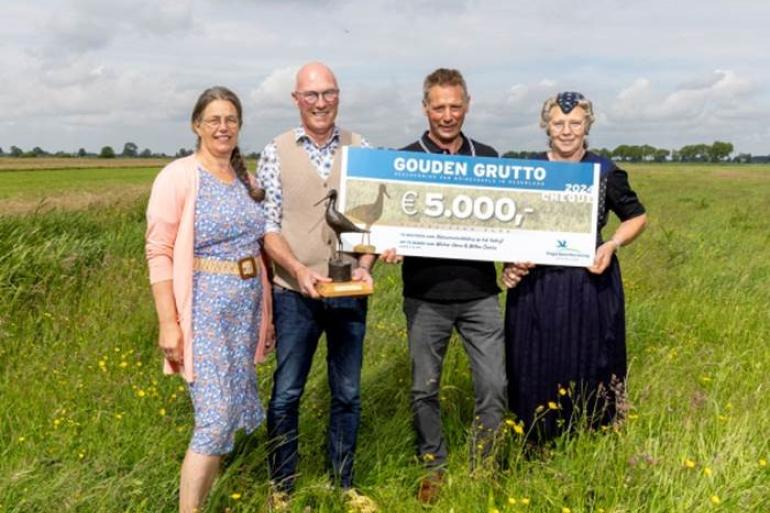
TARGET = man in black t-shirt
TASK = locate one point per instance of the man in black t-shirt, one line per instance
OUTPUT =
(445, 294)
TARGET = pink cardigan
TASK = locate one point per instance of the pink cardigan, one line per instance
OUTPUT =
(169, 250)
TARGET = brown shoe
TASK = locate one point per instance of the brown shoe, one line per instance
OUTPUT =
(430, 486)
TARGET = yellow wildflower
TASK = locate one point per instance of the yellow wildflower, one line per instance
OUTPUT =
(566, 510)
(81, 455)
(552, 405)
(519, 428)
(715, 499)
(235, 496)
(123, 364)
(141, 393)
(21, 439)
(539, 408)
(510, 423)
(706, 471)
(562, 391)
(762, 462)
(688, 463)
(511, 501)
(525, 501)
(162, 412)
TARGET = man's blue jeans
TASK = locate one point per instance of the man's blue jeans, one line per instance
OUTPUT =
(299, 322)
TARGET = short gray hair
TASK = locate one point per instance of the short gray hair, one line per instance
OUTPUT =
(550, 103)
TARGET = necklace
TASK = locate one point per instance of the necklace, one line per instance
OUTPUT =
(222, 172)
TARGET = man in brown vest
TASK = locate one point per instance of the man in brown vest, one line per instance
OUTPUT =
(297, 169)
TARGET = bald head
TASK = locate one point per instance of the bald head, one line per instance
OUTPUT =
(314, 72)
(317, 96)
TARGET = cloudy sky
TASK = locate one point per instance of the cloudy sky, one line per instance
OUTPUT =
(89, 73)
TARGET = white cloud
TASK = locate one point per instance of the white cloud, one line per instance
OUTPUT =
(131, 70)
(79, 26)
(517, 94)
(716, 94)
(275, 89)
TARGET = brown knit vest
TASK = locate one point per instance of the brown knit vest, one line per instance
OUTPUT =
(303, 225)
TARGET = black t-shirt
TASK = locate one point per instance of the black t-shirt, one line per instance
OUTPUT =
(444, 279)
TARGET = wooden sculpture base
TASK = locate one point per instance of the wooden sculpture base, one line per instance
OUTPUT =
(364, 249)
(344, 288)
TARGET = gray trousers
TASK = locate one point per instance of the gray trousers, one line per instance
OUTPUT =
(429, 327)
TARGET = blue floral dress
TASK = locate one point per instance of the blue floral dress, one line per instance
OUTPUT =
(225, 317)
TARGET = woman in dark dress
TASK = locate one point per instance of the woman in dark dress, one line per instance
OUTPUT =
(565, 326)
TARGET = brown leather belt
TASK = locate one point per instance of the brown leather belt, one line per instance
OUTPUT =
(246, 268)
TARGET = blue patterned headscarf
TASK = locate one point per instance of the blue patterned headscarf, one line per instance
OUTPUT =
(568, 100)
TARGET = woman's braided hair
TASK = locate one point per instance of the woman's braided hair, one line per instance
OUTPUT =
(236, 159)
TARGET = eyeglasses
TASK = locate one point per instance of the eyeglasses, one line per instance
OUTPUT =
(213, 123)
(311, 97)
(558, 127)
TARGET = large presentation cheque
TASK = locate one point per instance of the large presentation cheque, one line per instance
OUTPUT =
(475, 208)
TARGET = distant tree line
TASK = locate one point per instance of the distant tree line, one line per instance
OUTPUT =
(718, 152)
(130, 150)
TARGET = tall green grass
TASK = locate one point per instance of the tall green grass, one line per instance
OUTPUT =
(89, 424)
(49, 182)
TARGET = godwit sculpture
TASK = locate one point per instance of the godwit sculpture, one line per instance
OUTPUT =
(340, 272)
(337, 221)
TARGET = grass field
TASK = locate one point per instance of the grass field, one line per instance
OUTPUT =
(41, 163)
(89, 424)
(44, 184)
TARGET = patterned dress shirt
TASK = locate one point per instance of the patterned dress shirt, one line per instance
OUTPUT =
(269, 175)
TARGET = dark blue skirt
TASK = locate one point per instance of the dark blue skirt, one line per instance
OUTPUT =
(565, 340)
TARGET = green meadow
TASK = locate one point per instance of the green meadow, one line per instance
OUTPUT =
(89, 423)
(25, 190)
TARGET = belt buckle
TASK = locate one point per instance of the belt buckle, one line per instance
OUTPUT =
(247, 267)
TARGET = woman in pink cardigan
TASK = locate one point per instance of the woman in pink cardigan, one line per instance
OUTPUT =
(205, 224)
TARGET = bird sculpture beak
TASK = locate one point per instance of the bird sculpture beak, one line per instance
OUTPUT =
(322, 199)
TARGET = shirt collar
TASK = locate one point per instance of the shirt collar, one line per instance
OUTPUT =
(300, 136)
(432, 147)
